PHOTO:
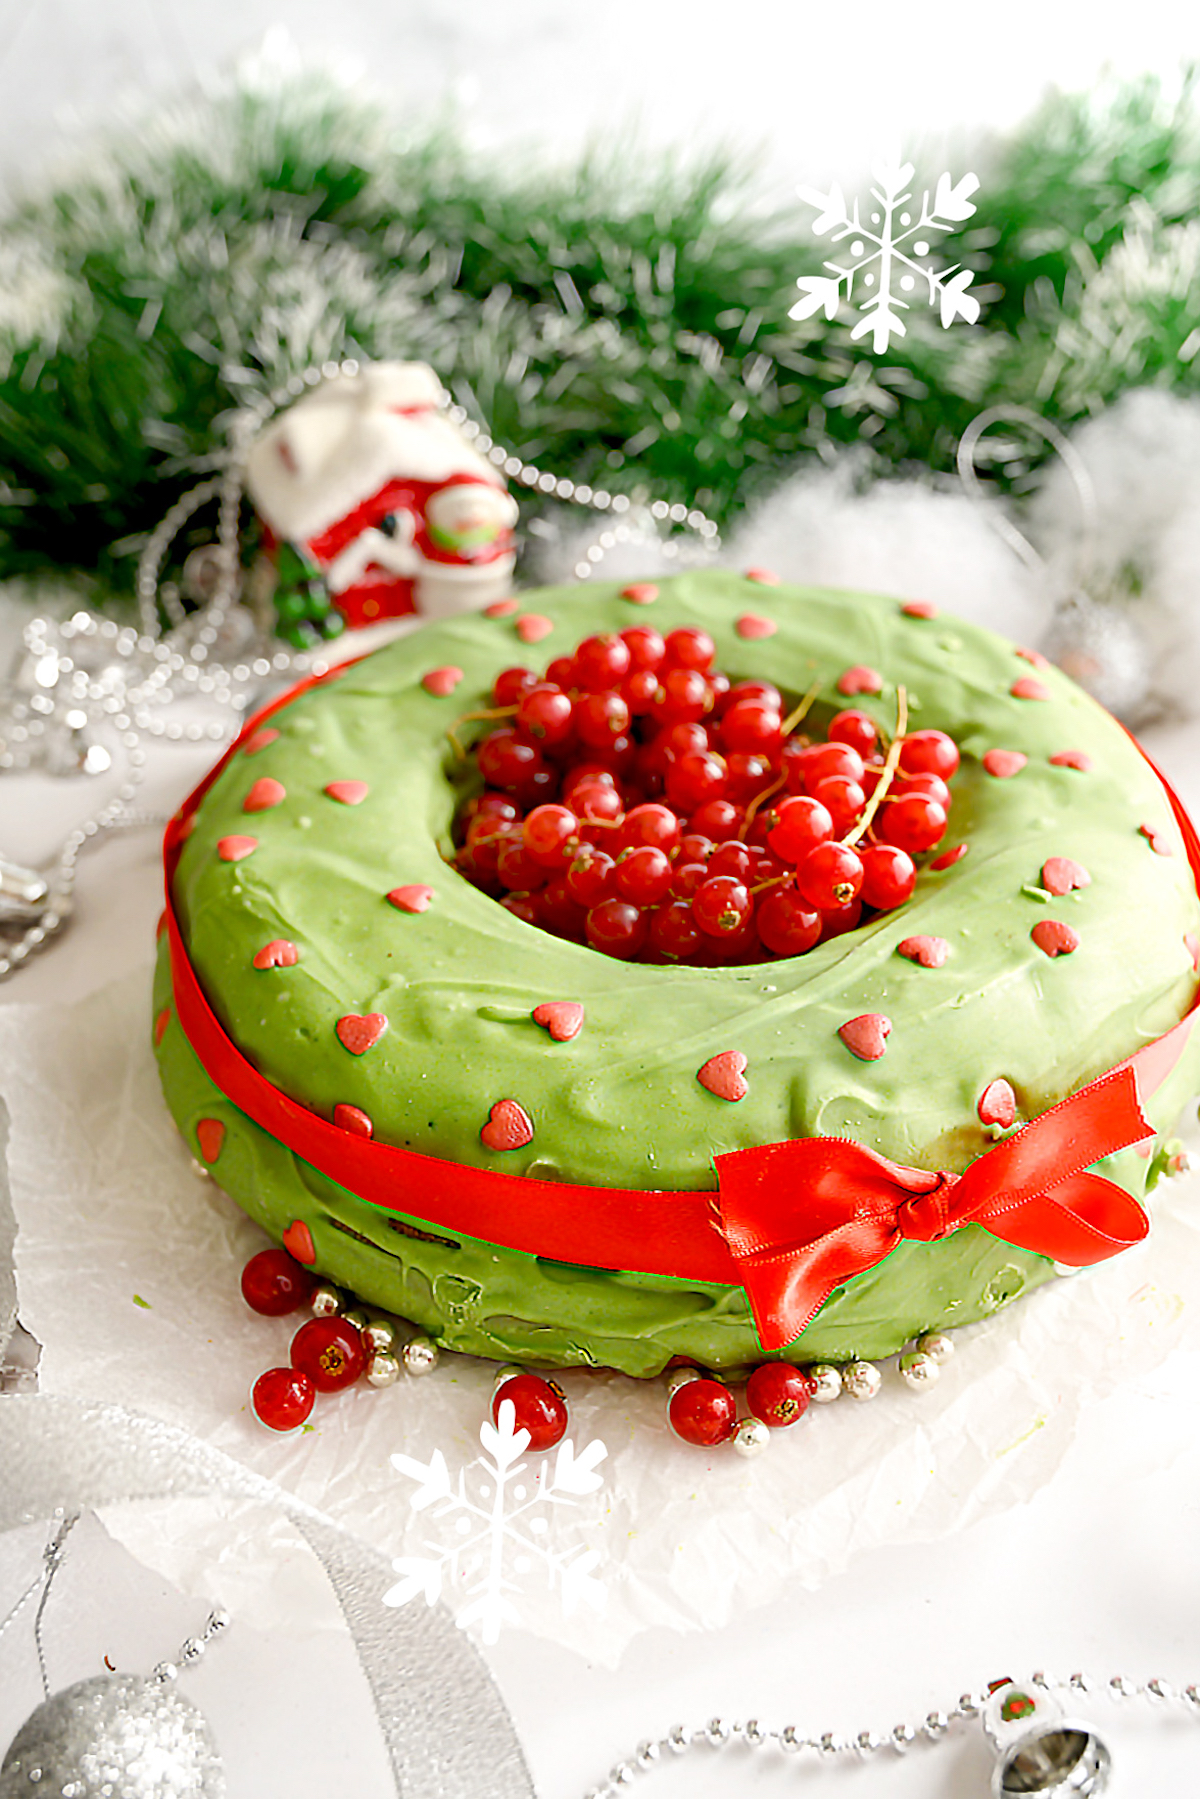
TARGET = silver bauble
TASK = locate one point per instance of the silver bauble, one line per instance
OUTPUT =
(116, 1736)
(1100, 645)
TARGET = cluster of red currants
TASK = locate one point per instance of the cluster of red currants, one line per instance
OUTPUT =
(639, 801)
(703, 1411)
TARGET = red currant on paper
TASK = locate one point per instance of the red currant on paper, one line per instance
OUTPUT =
(283, 1398)
(702, 1412)
(778, 1393)
(274, 1283)
(330, 1352)
(539, 1408)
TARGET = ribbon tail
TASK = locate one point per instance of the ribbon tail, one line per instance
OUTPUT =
(1081, 1220)
(788, 1287)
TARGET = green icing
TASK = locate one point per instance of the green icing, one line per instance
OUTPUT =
(621, 1103)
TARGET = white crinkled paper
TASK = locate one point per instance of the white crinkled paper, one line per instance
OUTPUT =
(128, 1274)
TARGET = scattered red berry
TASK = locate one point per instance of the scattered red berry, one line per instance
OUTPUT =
(274, 1283)
(330, 1352)
(283, 1398)
(778, 1393)
(538, 1407)
(702, 1412)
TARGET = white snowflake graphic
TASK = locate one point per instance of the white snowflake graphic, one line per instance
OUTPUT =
(501, 1523)
(877, 254)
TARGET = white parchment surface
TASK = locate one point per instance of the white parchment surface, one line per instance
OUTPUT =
(128, 1272)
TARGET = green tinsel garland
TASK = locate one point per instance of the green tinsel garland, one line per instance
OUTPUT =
(621, 326)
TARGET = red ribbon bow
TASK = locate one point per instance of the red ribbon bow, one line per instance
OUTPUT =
(802, 1217)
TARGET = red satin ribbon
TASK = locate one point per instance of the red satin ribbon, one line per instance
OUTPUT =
(791, 1221)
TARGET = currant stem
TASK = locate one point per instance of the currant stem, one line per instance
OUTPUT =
(802, 710)
(760, 799)
(889, 769)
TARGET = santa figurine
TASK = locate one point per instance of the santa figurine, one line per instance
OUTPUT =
(373, 494)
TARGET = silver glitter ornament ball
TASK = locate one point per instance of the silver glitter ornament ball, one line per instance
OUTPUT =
(117, 1736)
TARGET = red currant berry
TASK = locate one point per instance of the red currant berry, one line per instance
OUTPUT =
(646, 647)
(745, 776)
(549, 834)
(619, 755)
(617, 928)
(330, 1352)
(840, 919)
(491, 806)
(518, 870)
(689, 647)
(830, 876)
(652, 824)
(778, 1393)
(601, 662)
(643, 875)
(538, 1407)
(557, 910)
(674, 933)
(752, 727)
(600, 718)
(718, 689)
(274, 1283)
(717, 819)
(589, 877)
(694, 779)
(506, 760)
(740, 945)
(594, 801)
(802, 824)
(888, 876)
(721, 904)
(638, 691)
(702, 1412)
(545, 714)
(510, 684)
(283, 1398)
(855, 728)
(695, 847)
(786, 924)
(914, 823)
(932, 786)
(929, 753)
(561, 673)
(827, 759)
(683, 697)
(485, 848)
(843, 799)
(677, 741)
(763, 691)
(688, 878)
(523, 906)
(731, 858)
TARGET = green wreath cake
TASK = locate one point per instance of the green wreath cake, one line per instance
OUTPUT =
(538, 1152)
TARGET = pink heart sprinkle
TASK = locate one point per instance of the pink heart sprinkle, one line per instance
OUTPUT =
(348, 793)
(640, 593)
(919, 609)
(1191, 944)
(360, 1032)
(930, 952)
(297, 1240)
(279, 953)
(1159, 842)
(1003, 763)
(509, 1126)
(354, 1120)
(997, 1104)
(563, 1018)
(860, 679)
(1034, 657)
(259, 740)
(441, 681)
(264, 794)
(1029, 689)
(1071, 759)
(414, 898)
(161, 1023)
(500, 609)
(752, 624)
(210, 1135)
(948, 858)
(724, 1075)
(766, 577)
(866, 1036)
(1060, 875)
(1054, 938)
(533, 626)
(236, 849)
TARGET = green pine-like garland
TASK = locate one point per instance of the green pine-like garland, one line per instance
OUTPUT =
(625, 325)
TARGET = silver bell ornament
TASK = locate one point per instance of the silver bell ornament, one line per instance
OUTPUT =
(115, 1736)
(1039, 1750)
